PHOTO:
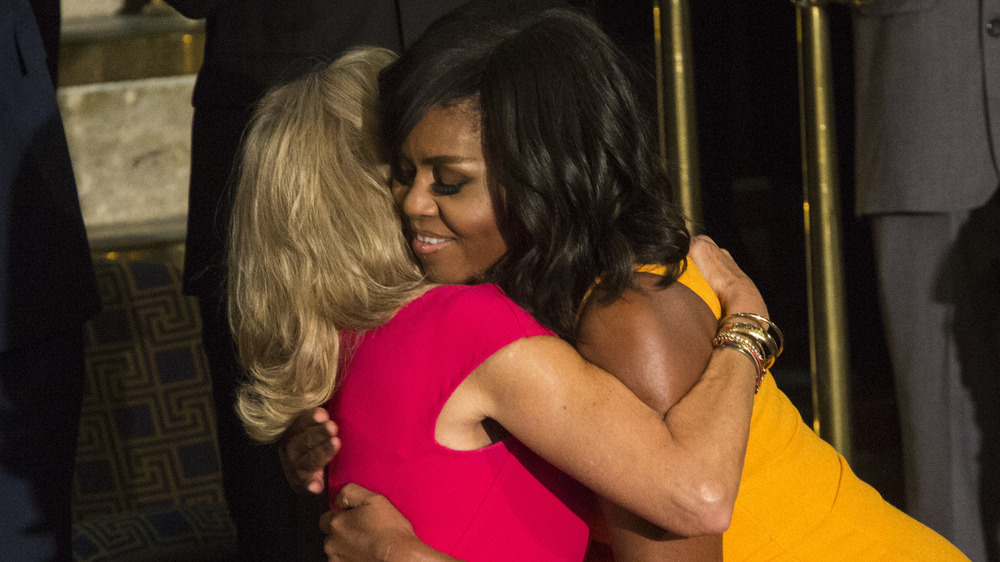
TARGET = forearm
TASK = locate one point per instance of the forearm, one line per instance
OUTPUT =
(711, 423)
(385, 548)
(635, 539)
(414, 550)
(710, 427)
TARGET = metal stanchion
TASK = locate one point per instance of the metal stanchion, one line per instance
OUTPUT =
(827, 323)
(675, 108)
(678, 144)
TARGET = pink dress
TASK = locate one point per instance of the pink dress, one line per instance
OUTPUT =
(501, 502)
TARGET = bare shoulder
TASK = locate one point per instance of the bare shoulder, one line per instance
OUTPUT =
(655, 340)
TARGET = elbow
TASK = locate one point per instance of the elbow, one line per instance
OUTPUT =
(713, 514)
(708, 510)
(712, 496)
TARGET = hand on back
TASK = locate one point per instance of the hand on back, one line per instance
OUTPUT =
(736, 291)
(307, 446)
(366, 526)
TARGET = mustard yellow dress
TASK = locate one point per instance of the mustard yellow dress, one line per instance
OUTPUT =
(799, 499)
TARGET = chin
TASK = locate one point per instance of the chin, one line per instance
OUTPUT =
(449, 276)
(442, 275)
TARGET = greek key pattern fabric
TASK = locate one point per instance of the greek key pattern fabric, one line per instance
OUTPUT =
(147, 428)
(197, 533)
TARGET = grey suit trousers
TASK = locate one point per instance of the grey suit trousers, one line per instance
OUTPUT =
(940, 294)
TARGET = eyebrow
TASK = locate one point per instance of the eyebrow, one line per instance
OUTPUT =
(445, 159)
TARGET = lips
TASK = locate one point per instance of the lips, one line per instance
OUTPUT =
(423, 244)
(430, 240)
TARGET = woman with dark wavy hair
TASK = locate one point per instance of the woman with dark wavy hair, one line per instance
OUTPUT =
(576, 185)
(472, 417)
(519, 156)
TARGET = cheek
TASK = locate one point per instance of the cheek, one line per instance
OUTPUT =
(489, 245)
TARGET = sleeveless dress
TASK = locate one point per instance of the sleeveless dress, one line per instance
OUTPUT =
(799, 499)
(501, 502)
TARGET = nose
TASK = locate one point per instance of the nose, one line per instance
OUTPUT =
(417, 199)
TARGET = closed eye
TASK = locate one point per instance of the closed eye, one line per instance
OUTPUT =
(446, 189)
(447, 181)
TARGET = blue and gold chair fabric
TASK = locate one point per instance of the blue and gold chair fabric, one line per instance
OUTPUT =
(147, 484)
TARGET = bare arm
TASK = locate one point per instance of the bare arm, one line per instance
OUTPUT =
(657, 342)
(589, 425)
(681, 471)
(671, 329)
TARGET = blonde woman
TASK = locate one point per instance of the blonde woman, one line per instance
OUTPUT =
(451, 400)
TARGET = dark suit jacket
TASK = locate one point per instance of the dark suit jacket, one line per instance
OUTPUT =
(46, 277)
(254, 45)
(927, 102)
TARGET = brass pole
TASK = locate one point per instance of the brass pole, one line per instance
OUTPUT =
(827, 324)
(675, 107)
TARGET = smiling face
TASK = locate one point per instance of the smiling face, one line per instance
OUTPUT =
(441, 188)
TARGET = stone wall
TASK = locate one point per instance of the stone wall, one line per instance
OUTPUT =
(129, 139)
(74, 9)
(130, 145)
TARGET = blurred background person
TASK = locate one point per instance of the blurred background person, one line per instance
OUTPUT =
(927, 96)
(47, 292)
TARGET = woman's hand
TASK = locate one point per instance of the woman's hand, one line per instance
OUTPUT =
(736, 291)
(307, 446)
(369, 527)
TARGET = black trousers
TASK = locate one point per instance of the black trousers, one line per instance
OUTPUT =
(41, 391)
(273, 523)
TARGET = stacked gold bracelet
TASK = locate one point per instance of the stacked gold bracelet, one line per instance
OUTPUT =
(759, 339)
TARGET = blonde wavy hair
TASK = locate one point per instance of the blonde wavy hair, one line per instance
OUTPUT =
(316, 244)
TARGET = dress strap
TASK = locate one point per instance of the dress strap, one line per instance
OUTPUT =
(655, 269)
(690, 278)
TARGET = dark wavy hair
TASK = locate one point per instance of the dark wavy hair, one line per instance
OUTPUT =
(577, 184)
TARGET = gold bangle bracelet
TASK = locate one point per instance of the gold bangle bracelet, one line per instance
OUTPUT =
(745, 347)
(768, 346)
(772, 328)
(752, 344)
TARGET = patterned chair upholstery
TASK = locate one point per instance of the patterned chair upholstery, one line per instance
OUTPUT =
(147, 484)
